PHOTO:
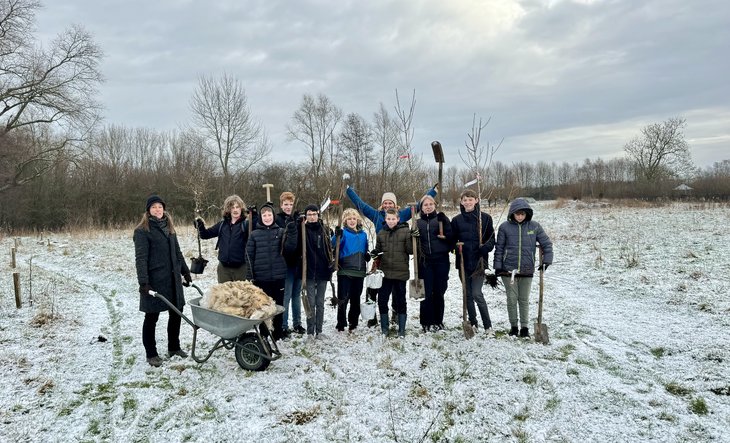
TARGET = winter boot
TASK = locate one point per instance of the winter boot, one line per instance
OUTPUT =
(513, 331)
(524, 333)
(384, 324)
(402, 325)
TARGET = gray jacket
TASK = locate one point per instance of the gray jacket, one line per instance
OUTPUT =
(517, 242)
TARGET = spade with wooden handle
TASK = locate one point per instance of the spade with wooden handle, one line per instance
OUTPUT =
(465, 324)
(541, 329)
(415, 287)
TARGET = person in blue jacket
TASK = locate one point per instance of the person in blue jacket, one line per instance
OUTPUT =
(351, 270)
(514, 260)
(388, 201)
(232, 233)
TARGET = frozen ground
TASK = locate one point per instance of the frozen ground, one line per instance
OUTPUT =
(637, 306)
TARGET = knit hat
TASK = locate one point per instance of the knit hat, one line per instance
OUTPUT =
(268, 206)
(312, 207)
(154, 199)
(389, 196)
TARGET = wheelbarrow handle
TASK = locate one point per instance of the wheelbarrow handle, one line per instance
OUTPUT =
(173, 307)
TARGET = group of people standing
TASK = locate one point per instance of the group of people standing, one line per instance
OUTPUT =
(279, 252)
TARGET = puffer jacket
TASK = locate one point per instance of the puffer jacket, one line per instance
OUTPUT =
(434, 249)
(232, 240)
(395, 245)
(160, 264)
(465, 228)
(266, 250)
(517, 242)
(353, 252)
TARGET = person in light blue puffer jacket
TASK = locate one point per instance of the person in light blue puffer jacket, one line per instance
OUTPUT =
(514, 260)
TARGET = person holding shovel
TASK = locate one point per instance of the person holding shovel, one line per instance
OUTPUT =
(477, 245)
(232, 233)
(160, 268)
(436, 242)
(293, 282)
(514, 261)
(393, 246)
(353, 257)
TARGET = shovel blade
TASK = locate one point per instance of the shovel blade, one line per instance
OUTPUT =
(468, 329)
(416, 290)
(541, 333)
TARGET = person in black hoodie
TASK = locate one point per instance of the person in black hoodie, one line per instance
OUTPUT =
(161, 268)
(476, 254)
(436, 241)
(232, 233)
(266, 249)
(293, 282)
(319, 267)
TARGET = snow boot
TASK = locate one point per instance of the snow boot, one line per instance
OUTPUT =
(513, 331)
(402, 325)
(524, 333)
(384, 323)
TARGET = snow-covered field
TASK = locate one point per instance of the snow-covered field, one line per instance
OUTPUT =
(637, 305)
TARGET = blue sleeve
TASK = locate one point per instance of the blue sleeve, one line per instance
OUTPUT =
(366, 210)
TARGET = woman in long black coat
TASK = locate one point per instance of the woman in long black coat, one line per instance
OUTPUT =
(160, 268)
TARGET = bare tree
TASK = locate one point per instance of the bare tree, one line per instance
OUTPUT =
(478, 157)
(661, 150)
(314, 124)
(386, 138)
(44, 92)
(356, 148)
(222, 116)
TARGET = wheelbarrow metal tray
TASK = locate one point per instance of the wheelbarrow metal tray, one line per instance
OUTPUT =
(221, 324)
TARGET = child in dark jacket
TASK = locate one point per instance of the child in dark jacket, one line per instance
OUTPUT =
(393, 245)
(353, 256)
(436, 241)
(514, 260)
(319, 272)
(266, 250)
(476, 254)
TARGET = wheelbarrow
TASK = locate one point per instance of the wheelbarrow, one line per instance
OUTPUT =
(254, 350)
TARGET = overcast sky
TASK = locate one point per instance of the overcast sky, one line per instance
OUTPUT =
(561, 80)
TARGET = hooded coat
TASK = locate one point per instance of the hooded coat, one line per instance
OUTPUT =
(517, 242)
(465, 227)
(160, 264)
(266, 250)
(395, 245)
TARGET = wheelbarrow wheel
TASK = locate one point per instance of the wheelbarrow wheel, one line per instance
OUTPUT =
(249, 360)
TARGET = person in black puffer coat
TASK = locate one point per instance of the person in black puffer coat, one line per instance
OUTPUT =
(232, 233)
(266, 249)
(160, 268)
(436, 241)
(476, 256)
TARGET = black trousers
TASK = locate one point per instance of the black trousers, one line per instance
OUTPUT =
(275, 290)
(348, 292)
(148, 333)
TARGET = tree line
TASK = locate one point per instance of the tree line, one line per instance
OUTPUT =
(61, 167)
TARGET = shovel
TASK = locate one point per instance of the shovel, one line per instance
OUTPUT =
(541, 329)
(465, 324)
(415, 287)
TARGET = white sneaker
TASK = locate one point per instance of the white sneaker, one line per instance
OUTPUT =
(489, 332)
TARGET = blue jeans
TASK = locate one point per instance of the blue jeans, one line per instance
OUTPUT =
(292, 293)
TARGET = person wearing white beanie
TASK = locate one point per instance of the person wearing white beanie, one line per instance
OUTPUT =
(388, 201)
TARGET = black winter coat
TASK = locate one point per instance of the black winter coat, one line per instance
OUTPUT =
(232, 240)
(466, 229)
(160, 264)
(395, 245)
(435, 249)
(320, 257)
(266, 250)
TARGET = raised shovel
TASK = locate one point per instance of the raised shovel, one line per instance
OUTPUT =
(465, 324)
(415, 287)
(541, 329)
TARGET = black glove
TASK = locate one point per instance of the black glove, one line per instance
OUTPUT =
(338, 231)
(442, 217)
(367, 257)
(199, 224)
(436, 187)
(188, 279)
(415, 233)
(544, 266)
(375, 253)
(291, 228)
(500, 272)
(145, 290)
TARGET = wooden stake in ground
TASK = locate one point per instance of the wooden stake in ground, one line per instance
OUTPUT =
(465, 324)
(12, 258)
(16, 285)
